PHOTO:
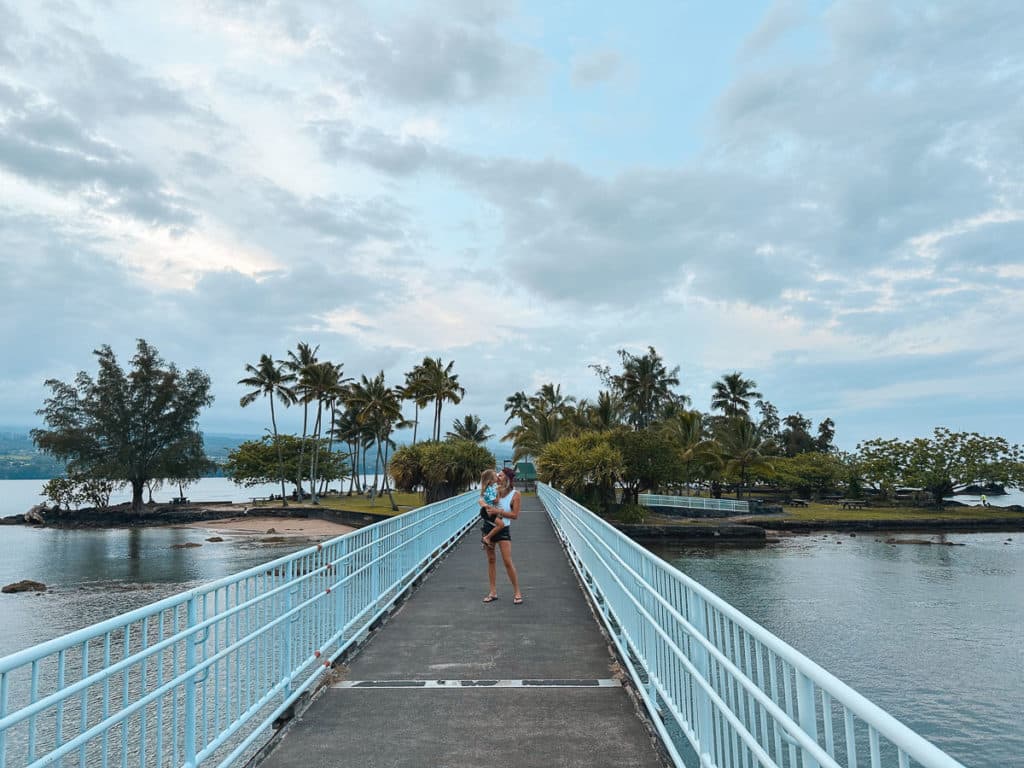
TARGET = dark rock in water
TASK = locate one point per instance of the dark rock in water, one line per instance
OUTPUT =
(37, 515)
(26, 585)
(908, 541)
(215, 538)
(273, 539)
(271, 530)
(186, 545)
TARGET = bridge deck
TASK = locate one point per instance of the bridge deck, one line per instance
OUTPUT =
(445, 633)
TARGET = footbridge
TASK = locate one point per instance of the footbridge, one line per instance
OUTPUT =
(375, 649)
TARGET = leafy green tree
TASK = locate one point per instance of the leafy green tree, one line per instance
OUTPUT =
(732, 394)
(644, 386)
(950, 461)
(441, 469)
(882, 464)
(584, 466)
(470, 428)
(129, 427)
(61, 491)
(650, 458)
(796, 435)
(256, 462)
(811, 473)
(742, 450)
(769, 424)
(270, 380)
(826, 434)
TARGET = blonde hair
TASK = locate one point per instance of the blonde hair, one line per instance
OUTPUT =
(489, 476)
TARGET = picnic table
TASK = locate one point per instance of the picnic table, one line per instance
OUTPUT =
(796, 503)
(854, 503)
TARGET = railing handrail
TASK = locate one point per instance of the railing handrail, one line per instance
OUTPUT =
(885, 724)
(297, 613)
(666, 500)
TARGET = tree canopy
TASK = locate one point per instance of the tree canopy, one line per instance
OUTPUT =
(132, 426)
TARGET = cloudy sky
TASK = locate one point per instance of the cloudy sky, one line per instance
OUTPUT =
(828, 197)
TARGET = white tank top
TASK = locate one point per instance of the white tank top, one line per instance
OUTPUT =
(506, 504)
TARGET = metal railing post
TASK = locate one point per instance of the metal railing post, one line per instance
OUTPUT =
(190, 684)
(696, 615)
(286, 629)
(807, 714)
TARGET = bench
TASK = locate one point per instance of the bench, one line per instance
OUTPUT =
(796, 503)
(853, 503)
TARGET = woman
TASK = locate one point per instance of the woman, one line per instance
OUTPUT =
(507, 507)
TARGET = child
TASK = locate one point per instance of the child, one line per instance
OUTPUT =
(488, 495)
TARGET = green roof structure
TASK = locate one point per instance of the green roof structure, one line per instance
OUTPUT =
(526, 471)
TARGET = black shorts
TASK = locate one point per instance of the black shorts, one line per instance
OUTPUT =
(505, 534)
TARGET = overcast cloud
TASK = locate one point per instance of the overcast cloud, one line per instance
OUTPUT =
(835, 207)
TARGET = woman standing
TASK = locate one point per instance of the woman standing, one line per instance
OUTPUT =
(506, 507)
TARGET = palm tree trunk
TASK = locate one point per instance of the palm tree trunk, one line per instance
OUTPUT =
(315, 453)
(302, 446)
(415, 420)
(277, 443)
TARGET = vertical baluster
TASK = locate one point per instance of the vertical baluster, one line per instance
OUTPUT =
(759, 653)
(286, 628)
(143, 690)
(190, 683)
(33, 695)
(876, 753)
(807, 713)
(851, 741)
(125, 694)
(774, 681)
(904, 760)
(3, 713)
(217, 707)
(105, 739)
(704, 725)
(160, 702)
(202, 687)
(176, 690)
(58, 734)
(826, 719)
(788, 691)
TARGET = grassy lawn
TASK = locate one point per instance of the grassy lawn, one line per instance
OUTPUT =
(379, 506)
(819, 511)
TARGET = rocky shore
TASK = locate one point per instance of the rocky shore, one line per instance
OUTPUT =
(122, 516)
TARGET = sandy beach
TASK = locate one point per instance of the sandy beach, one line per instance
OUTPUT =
(298, 527)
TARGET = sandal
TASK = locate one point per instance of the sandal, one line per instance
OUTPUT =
(490, 598)
(517, 600)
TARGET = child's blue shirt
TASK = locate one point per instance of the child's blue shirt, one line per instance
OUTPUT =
(490, 493)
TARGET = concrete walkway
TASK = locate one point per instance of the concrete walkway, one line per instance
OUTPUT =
(423, 692)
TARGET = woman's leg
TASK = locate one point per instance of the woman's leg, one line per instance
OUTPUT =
(513, 576)
(492, 571)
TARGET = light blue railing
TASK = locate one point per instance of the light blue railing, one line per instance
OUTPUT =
(739, 695)
(693, 502)
(199, 678)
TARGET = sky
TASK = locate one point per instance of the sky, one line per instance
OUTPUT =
(825, 196)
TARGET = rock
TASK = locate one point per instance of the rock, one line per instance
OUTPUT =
(26, 585)
(273, 539)
(271, 530)
(853, 535)
(186, 545)
(909, 541)
(215, 538)
(36, 515)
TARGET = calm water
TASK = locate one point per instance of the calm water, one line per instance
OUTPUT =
(932, 634)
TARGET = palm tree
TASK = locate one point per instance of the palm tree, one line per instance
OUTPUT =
(415, 391)
(470, 428)
(270, 380)
(321, 384)
(515, 405)
(606, 413)
(439, 385)
(644, 386)
(732, 394)
(379, 407)
(298, 361)
(742, 449)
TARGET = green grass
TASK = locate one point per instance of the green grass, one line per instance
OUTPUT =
(379, 506)
(817, 511)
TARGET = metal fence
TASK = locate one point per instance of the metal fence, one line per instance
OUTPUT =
(693, 502)
(712, 677)
(198, 678)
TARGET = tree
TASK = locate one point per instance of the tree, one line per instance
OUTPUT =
(585, 467)
(882, 463)
(298, 362)
(948, 462)
(377, 406)
(811, 473)
(129, 427)
(742, 450)
(826, 434)
(470, 428)
(796, 435)
(415, 390)
(769, 425)
(644, 385)
(441, 469)
(322, 384)
(650, 458)
(440, 385)
(732, 394)
(255, 462)
(270, 381)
